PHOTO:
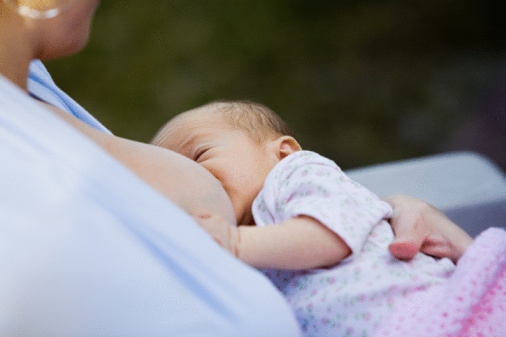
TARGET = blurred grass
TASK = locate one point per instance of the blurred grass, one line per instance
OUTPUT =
(359, 81)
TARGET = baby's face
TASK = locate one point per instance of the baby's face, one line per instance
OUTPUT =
(240, 163)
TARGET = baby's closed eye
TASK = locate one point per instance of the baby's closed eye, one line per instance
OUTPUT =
(199, 154)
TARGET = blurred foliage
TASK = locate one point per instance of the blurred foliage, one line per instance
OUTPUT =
(359, 81)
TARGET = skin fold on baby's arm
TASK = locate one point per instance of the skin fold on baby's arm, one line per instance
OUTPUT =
(297, 243)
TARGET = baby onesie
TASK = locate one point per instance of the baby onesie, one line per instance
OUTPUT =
(351, 298)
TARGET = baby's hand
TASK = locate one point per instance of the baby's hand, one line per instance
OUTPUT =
(220, 230)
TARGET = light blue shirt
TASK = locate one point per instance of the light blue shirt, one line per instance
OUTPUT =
(88, 249)
(41, 85)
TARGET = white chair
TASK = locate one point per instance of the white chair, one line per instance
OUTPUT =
(469, 188)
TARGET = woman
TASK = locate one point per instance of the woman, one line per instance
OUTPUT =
(88, 248)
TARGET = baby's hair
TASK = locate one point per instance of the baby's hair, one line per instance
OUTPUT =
(255, 118)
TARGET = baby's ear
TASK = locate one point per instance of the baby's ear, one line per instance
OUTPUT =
(286, 146)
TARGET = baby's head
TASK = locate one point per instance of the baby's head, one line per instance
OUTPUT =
(239, 142)
(260, 122)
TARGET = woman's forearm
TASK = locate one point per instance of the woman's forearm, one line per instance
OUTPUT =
(419, 226)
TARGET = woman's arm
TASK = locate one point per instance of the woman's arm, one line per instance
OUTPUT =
(419, 226)
(297, 243)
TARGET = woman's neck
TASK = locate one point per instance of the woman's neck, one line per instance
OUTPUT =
(15, 52)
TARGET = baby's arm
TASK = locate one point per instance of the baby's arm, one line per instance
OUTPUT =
(297, 243)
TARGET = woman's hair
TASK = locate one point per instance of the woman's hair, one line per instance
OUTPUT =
(255, 118)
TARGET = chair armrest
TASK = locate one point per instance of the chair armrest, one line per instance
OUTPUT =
(468, 187)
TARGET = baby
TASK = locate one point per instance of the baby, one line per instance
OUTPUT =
(320, 237)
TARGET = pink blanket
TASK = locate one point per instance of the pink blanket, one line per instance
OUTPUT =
(471, 303)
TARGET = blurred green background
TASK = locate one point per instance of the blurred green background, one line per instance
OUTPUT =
(361, 81)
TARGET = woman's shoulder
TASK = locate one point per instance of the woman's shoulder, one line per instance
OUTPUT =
(41, 85)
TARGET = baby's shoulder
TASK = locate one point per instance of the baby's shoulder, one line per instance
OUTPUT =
(303, 166)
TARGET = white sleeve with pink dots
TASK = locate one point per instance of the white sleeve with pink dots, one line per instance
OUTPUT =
(306, 183)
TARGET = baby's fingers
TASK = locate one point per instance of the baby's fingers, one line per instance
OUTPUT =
(219, 229)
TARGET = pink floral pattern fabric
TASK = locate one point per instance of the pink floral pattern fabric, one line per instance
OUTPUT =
(354, 297)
